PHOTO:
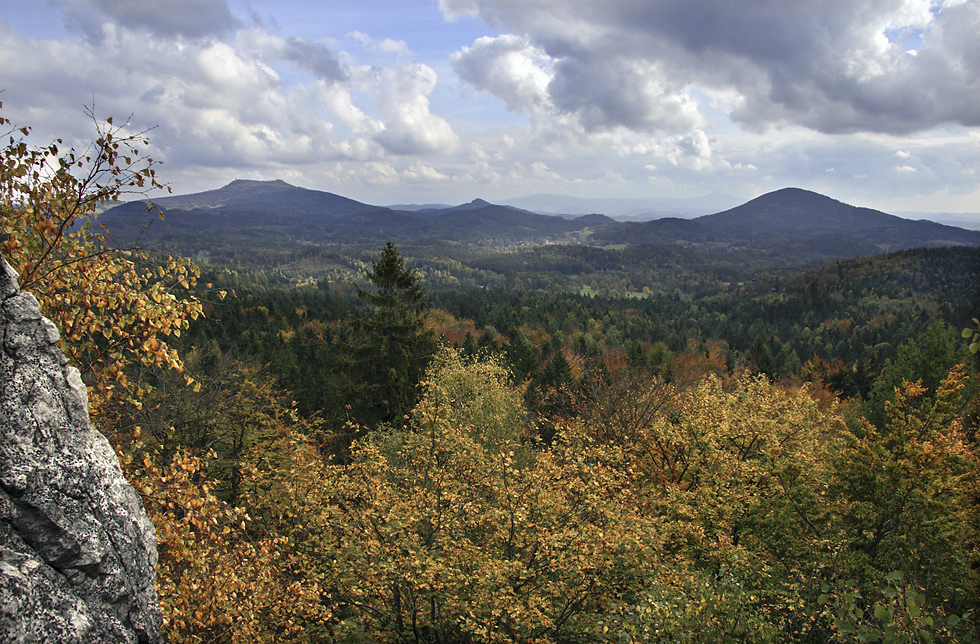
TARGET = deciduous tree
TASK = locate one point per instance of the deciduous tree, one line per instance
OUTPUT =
(114, 308)
(453, 530)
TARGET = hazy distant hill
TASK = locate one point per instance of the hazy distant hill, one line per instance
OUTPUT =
(272, 197)
(274, 212)
(242, 210)
(481, 219)
(967, 220)
(415, 207)
(792, 218)
(792, 212)
(790, 222)
(624, 209)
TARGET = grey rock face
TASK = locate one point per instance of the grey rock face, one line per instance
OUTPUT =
(77, 550)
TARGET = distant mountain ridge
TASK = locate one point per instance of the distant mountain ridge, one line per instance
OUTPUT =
(624, 209)
(795, 212)
(274, 197)
(789, 221)
(789, 216)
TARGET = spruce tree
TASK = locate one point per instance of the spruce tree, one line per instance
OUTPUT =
(389, 348)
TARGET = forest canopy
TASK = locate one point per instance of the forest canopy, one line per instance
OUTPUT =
(552, 445)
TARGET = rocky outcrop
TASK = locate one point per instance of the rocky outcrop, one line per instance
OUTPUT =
(77, 550)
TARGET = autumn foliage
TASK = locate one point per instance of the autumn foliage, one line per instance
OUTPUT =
(454, 529)
(613, 505)
(114, 308)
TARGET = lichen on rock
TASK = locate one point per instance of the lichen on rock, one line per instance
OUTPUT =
(77, 549)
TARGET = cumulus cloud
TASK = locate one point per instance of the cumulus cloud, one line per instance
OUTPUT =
(834, 66)
(617, 96)
(211, 103)
(540, 170)
(409, 126)
(423, 173)
(509, 67)
(219, 94)
(697, 145)
(617, 91)
(339, 102)
(308, 55)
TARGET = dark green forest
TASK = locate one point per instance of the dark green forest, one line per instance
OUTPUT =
(846, 324)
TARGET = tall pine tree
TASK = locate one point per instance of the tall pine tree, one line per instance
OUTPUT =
(389, 348)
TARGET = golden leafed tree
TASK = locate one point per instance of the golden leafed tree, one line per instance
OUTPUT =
(115, 308)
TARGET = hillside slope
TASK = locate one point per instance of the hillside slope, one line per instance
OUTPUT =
(791, 222)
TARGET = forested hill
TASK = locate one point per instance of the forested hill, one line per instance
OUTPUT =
(274, 213)
(789, 222)
(264, 197)
(781, 220)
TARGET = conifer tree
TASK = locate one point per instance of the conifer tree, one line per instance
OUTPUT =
(390, 347)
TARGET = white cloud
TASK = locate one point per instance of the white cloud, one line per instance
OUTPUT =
(341, 106)
(424, 172)
(244, 100)
(409, 125)
(828, 66)
(619, 97)
(509, 67)
(697, 145)
(387, 45)
(608, 92)
(541, 170)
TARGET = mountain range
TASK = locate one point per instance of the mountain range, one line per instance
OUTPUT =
(622, 209)
(790, 221)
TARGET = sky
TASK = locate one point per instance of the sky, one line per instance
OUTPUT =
(873, 102)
